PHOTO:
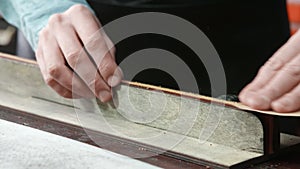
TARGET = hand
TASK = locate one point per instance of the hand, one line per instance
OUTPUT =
(277, 84)
(66, 67)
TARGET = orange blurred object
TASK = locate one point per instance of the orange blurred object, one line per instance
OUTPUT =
(293, 9)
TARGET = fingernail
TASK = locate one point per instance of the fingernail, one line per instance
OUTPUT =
(104, 96)
(114, 80)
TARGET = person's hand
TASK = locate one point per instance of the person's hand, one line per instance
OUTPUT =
(65, 67)
(277, 84)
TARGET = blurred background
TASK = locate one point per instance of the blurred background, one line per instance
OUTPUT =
(12, 41)
(293, 7)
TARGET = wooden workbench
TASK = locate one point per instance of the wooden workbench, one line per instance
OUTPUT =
(290, 160)
(59, 120)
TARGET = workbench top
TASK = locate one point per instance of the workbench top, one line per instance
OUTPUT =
(239, 139)
(289, 160)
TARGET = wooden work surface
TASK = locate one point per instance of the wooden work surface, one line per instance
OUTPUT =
(232, 104)
(289, 160)
(48, 121)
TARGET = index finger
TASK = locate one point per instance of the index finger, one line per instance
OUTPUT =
(88, 30)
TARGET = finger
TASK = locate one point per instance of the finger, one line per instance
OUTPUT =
(255, 101)
(112, 81)
(51, 82)
(109, 43)
(79, 60)
(289, 102)
(265, 74)
(56, 70)
(249, 94)
(284, 81)
(87, 29)
(105, 63)
(39, 57)
(61, 90)
(286, 53)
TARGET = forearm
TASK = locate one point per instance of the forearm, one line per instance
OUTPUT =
(30, 16)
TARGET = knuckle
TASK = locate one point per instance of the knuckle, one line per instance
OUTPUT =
(95, 44)
(68, 84)
(66, 94)
(72, 57)
(97, 85)
(261, 70)
(77, 8)
(43, 32)
(106, 66)
(113, 52)
(43, 35)
(55, 19)
(54, 70)
(50, 81)
(57, 22)
(274, 64)
(273, 90)
(92, 83)
(292, 70)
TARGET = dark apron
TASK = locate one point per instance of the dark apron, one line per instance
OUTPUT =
(245, 35)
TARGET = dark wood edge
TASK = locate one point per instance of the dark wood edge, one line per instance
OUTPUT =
(271, 128)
